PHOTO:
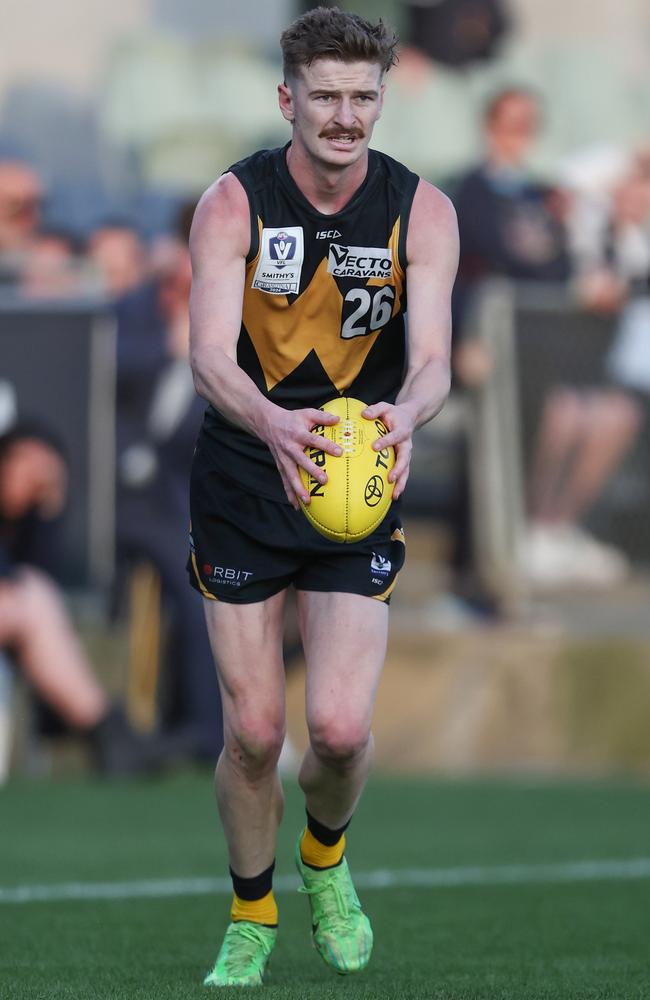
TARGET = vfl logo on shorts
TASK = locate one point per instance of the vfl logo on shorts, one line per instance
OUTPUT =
(379, 564)
(360, 262)
(280, 262)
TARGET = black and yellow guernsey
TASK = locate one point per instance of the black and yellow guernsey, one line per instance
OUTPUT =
(324, 302)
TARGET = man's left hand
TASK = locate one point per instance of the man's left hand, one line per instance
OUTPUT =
(400, 424)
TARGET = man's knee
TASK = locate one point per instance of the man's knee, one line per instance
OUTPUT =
(254, 741)
(337, 740)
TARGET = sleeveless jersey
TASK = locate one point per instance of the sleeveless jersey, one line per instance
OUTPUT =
(324, 302)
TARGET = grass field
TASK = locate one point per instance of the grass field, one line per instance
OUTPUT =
(545, 929)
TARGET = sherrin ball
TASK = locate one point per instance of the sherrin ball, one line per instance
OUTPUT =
(356, 497)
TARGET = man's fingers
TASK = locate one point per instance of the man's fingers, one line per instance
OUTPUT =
(321, 417)
(289, 490)
(402, 462)
(400, 485)
(319, 443)
(291, 481)
(314, 470)
(391, 439)
(373, 411)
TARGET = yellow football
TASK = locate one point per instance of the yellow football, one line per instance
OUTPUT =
(356, 497)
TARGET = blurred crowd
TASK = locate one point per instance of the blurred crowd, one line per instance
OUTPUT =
(157, 418)
(589, 235)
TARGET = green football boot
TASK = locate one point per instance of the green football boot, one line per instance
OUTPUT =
(341, 931)
(244, 955)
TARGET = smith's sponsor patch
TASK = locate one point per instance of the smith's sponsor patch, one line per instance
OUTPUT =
(280, 262)
(360, 262)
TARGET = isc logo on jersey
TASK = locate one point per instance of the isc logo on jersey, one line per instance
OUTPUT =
(280, 262)
(360, 262)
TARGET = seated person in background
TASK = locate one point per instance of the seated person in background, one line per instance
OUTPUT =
(34, 626)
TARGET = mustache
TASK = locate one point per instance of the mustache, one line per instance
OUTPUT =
(334, 133)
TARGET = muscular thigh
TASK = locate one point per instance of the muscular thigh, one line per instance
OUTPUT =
(344, 637)
(246, 641)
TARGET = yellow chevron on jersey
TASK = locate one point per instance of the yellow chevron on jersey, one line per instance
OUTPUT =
(283, 334)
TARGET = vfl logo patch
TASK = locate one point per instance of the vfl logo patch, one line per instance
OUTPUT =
(379, 564)
(360, 262)
(280, 262)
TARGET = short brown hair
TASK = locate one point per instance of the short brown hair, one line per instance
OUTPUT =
(495, 101)
(330, 33)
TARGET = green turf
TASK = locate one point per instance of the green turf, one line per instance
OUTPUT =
(562, 940)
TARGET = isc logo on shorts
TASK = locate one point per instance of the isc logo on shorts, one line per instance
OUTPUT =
(282, 252)
(360, 262)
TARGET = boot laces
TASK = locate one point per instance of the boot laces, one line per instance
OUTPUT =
(244, 943)
(339, 897)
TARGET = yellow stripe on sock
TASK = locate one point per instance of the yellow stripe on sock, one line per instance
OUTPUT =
(258, 911)
(319, 855)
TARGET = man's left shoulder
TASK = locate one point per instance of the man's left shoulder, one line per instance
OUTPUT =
(432, 225)
(432, 204)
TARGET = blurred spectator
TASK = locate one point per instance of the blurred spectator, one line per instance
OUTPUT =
(21, 195)
(34, 625)
(51, 268)
(510, 223)
(514, 226)
(158, 418)
(119, 255)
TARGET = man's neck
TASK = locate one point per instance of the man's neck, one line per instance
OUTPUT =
(326, 188)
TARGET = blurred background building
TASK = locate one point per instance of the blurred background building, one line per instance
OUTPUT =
(521, 634)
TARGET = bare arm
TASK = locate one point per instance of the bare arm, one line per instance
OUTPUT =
(219, 243)
(432, 254)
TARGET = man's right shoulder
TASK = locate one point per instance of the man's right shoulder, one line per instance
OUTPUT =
(222, 213)
(225, 198)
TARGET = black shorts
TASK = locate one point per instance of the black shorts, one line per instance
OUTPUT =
(245, 548)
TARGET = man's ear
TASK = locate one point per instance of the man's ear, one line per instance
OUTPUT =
(285, 100)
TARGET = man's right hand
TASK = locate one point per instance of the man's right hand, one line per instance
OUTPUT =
(287, 434)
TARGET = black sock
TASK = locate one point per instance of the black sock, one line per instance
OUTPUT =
(253, 888)
(325, 834)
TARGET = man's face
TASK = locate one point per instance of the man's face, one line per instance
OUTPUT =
(333, 106)
(513, 128)
(20, 200)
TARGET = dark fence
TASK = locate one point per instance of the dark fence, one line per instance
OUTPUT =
(60, 360)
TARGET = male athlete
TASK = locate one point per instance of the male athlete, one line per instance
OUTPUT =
(302, 257)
